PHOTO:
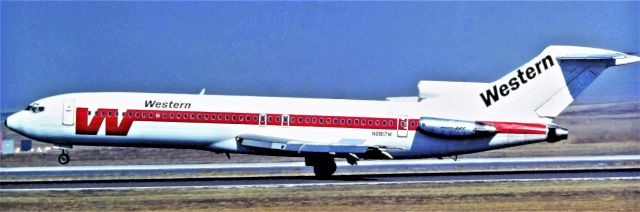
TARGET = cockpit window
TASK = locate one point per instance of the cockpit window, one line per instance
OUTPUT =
(35, 108)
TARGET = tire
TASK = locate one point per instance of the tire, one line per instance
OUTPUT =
(63, 159)
(325, 168)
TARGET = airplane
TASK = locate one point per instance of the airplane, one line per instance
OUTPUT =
(445, 119)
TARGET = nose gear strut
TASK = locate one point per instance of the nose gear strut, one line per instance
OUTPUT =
(64, 157)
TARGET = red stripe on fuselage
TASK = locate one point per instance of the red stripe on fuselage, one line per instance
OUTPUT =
(91, 127)
(518, 128)
(83, 126)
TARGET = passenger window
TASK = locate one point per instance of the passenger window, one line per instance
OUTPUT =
(391, 123)
(377, 122)
(150, 115)
(413, 123)
(199, 116)
(179, 115)
(226, 117)
(206, 116)
(102, 113)
(89, 113)
(328, 121)
(349, 121)
(355, 121)
(285, 119)
(137, 114)
(370, 122)
(306, 120)
(300, 120)
(255, 118)
(193, 116)
(314, 120)
(248, 118)
(124, 114)
(277, 119)
(171, 115)
(233, 117)
(220, 117)
(363, 122)
(335, 121)
(341, 121)
(384, 123)
(144, 115)
(213, 116)
(241, 118)
(321, 121)
(293, 120)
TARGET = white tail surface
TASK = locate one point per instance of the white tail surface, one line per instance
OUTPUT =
(549, 83)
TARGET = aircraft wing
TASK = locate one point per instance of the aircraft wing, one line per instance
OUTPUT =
(344, 146)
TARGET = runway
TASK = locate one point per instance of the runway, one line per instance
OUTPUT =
(384, 165)
(395, 172)
(340, 180)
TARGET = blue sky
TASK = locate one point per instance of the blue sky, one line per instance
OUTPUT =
(359, 50)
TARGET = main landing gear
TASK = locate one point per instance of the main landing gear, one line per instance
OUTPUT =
(64, 157)
(323, 167)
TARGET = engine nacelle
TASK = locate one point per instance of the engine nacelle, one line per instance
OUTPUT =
(557, 133)
(454, 128)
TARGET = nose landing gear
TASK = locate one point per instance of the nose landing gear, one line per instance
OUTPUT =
(64, 157)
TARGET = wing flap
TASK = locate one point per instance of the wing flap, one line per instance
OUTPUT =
(275, 143)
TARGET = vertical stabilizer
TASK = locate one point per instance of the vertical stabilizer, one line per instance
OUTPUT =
(549, 83)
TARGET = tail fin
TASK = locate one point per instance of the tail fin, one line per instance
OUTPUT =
(549, 83)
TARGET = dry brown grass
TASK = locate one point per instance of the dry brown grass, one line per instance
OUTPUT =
(508, 196)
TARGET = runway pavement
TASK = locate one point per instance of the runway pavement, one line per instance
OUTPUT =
(452, 173)
(390, 165)
(339, 180)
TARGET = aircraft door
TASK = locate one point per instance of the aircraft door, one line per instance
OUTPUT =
(402, 126)
(285, 120)
(68, 112)
(262, 120)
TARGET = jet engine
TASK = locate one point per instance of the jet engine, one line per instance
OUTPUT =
(454, 128)
(556, 133)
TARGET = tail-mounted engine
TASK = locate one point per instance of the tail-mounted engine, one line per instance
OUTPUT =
(454, 128)
(556, 133)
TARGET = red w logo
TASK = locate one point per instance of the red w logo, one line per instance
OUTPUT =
(112, 127)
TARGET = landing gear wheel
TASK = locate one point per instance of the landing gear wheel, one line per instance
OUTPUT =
(325, 168)
(64, 157)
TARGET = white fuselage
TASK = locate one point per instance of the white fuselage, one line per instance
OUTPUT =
(213, 123)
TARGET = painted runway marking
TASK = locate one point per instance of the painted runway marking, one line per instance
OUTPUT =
(324, 184)
(410, 162)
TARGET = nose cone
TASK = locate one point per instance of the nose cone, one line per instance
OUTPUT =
(12, 122)
(8, 123)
